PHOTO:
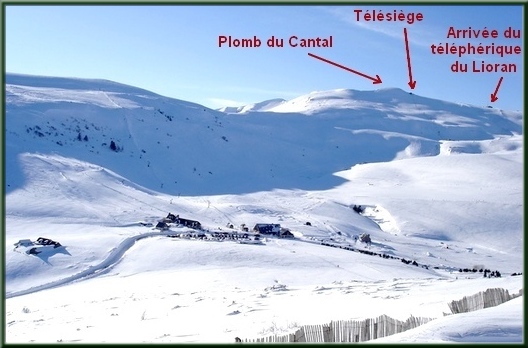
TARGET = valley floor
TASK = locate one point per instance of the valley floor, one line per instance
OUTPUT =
(178, 290)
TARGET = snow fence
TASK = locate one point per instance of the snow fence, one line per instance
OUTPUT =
(382, 326)
(347, 330)
(484, 299)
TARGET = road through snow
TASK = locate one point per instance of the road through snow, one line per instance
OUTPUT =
(111, 260)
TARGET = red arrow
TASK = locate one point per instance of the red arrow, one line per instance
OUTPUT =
(411, 83)
(494, 94)
(376, 79)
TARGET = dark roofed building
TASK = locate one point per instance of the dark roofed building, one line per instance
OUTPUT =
(183, 222)
(285, 233)
(162, 226)
(190, 223)
(267, 228)
(172, 217)
(47, 241)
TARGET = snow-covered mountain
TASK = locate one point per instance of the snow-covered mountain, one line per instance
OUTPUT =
(87, 160)
(266, 105)
(183, 148)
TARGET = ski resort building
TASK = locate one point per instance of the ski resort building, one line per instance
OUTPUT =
(162, 225)
(184, 222)
(47, 241)
(273, 229)
(190, 223)
(286, 233)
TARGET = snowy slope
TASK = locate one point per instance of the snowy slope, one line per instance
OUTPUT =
(499, 324)
(441, 184)
(182, 148)
(262, 106)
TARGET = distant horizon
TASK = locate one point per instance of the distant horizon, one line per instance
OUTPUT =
(177, 51)
(256, 102)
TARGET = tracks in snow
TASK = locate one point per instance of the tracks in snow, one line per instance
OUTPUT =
(111, 260)
(378, 214)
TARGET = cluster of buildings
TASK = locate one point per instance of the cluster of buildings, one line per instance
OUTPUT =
(274, 230)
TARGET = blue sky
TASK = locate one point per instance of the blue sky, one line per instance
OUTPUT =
(173, 50)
